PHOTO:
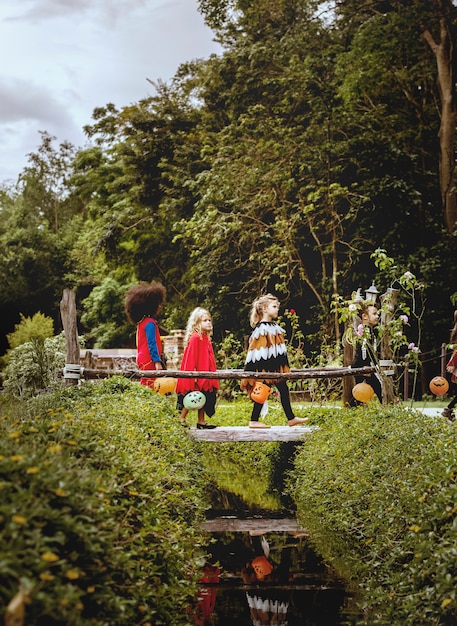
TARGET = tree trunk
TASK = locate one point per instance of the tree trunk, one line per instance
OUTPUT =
(444, 54)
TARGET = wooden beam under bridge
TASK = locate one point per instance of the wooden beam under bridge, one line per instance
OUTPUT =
(257, 525)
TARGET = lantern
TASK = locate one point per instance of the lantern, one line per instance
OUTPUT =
(371, 294)
(260, 392)
(261, 566)
(164, 385)
(363, 392)
(194, 400)
(439, 385)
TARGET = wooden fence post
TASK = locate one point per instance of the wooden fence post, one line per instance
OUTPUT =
(390, 299)
(348, 356)
(68, 315)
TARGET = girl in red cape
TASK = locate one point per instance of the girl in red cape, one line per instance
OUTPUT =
(143, 303)
(198, 356)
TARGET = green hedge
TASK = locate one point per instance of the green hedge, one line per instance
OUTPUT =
(376, 487)
(100, 493)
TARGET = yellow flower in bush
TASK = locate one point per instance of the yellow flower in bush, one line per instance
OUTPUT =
(33, 470)
(60, 492)
(19, 519)
(49, 557)
(17, 458)
(46, 577)
(54, 449)
(72, 574)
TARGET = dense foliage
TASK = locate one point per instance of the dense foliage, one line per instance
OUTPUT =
(100, 498)
(322, 132)
(102, 495)
(377, 490)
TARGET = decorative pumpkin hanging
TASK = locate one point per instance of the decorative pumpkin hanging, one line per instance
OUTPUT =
(165, 385)
(194, 400)
(363, 392)
(439, 385)
(260, 392)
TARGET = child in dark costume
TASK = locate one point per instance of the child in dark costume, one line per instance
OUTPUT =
(143, 303)
(451, 368)
(267, 352)
(366, 350)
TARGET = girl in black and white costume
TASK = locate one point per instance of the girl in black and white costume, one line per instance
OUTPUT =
(267, 352)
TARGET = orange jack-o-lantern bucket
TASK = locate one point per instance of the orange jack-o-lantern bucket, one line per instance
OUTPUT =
(164, 385)
(363, 392)
(260, 392)
(439, 385)
(261, 566)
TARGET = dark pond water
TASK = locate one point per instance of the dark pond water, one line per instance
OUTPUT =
(261, 570)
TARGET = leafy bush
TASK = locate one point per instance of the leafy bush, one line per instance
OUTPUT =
(377, 489)
(100, 495)
(30, 328)
(33, 366)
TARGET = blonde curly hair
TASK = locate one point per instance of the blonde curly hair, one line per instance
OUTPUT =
(194, 323)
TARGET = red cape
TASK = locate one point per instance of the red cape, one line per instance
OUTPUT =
(198, 356)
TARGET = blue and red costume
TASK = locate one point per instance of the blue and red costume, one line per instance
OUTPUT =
(149, 347)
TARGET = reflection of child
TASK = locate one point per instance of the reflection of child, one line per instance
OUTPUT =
(143, 303)
(267, 352)
(198, 356)
(266, 606)
(202, 612)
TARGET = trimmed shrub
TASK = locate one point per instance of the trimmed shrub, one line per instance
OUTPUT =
(100, 493)
(377, 489)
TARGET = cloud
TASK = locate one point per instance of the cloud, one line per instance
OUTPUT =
(64, 58)
(22, 100)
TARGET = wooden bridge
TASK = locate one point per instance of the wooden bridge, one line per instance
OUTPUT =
(236, 433)
(244, 433)
(74, 371)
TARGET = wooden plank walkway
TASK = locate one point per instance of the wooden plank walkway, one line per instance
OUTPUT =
(244, 433)
(253, 525)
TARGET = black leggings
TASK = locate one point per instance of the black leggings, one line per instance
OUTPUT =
(453, 402)
(285, 402)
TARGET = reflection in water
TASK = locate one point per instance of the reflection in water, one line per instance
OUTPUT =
(266, 605)
(260, 578)
(204, 609)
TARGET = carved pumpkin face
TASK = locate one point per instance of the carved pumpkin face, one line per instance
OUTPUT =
(164, 385)
(260, 393)
(439, 385)
(363, 392)
(262, 567)
(194, 400)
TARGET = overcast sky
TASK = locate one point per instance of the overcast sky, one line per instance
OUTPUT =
(63, 58)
